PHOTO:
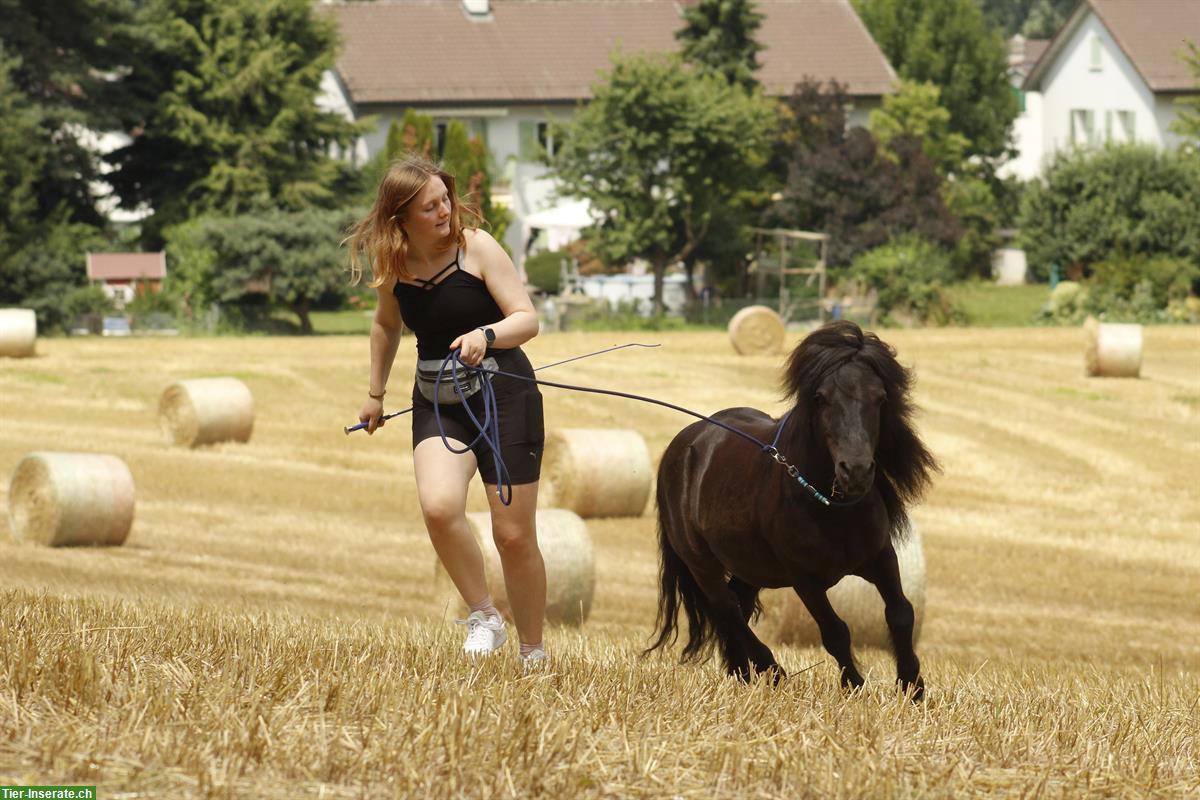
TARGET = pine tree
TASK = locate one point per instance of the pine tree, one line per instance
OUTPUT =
(718, 37)
(226, 115)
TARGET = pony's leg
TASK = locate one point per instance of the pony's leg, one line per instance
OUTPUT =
(726, 618)
(760, 655)
(884, 572)
(746, 595)
(835, 634)
(739, 646)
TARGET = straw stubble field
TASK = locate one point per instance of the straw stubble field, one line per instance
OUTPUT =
(270, 628)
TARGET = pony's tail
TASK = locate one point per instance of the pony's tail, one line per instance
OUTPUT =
(678, 588)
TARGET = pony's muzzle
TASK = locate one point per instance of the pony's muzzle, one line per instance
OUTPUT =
(855, 478)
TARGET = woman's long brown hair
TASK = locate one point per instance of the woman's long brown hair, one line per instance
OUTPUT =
(379, 238)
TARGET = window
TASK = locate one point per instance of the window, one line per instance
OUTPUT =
(1127, 122)
(1083, 126)
(1119, 126)
(545, 139)
(1097, 61)
(439, 138)
(1020, 96)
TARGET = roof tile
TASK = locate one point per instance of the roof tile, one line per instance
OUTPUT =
(554, 50)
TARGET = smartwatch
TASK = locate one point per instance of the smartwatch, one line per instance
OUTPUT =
(489, 334)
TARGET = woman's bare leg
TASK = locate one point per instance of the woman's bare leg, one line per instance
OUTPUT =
(442, 481)
(514, 530)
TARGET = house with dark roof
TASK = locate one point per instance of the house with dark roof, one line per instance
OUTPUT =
(1113, 73)
(123, 275)
(507, 68)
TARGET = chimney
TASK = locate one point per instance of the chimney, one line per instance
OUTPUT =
(478, 9)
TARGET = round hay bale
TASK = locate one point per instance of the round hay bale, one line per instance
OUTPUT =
(756, 330)
(206, 410)
(857, 602)
(18, 332)
(570, 568)
(61, 499)
(596, 472)
(1112, 350)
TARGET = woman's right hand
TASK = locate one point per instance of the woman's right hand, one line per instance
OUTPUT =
(372, 414)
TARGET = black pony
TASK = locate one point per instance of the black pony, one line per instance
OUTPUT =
(732, 521)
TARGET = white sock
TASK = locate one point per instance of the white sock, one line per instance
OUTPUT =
(490, 612)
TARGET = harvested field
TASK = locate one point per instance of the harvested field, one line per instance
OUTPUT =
(270, 627)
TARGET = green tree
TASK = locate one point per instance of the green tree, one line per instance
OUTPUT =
(64, 58)
(22, 160)
(1035, 19)
(948, 43)
(659, 152)
(457, 158)
(914, 112)
(467, 159)
(1187, 124)
(1045, 18)
(718, 36)
(225, 111)
(415, 135)
(839, 183)
(293, 258)
(48, 217)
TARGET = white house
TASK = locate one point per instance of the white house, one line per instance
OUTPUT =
(1023, 54)
(506, 68)
(1113, 74)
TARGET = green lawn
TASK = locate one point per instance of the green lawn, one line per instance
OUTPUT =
(353, 321)
(989, 306)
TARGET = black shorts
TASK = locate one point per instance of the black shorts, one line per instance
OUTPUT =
(522, 429)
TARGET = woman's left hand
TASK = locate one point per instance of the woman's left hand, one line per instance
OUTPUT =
(474, 347)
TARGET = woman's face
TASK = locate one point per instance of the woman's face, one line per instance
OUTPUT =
(427, 219)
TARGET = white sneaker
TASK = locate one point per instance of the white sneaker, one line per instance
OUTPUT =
(535, 660)
(483, 635)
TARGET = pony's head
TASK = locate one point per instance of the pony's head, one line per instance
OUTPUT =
(855, 394)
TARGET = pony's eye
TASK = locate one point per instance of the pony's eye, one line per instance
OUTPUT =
(819, 399)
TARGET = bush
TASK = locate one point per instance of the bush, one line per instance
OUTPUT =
(1163, 279)
(1092, 205)
(147, 301)
(971, 202)
(1130, 289)
(909, 276)
(544, 269)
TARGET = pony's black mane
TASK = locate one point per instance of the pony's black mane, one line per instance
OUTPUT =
(904, 467)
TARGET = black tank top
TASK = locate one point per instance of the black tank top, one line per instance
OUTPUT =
(441, 309)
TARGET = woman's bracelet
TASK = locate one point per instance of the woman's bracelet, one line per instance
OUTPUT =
(376, 396)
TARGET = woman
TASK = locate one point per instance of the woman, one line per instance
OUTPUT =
(457, 289)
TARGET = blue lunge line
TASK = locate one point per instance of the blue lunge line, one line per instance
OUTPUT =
(769, 449)
(349, 429)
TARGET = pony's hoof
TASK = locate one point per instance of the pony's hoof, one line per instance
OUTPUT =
(917, 688)
(853, 682)
(775, 674)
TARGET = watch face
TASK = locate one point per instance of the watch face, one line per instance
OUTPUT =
(489, 334)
